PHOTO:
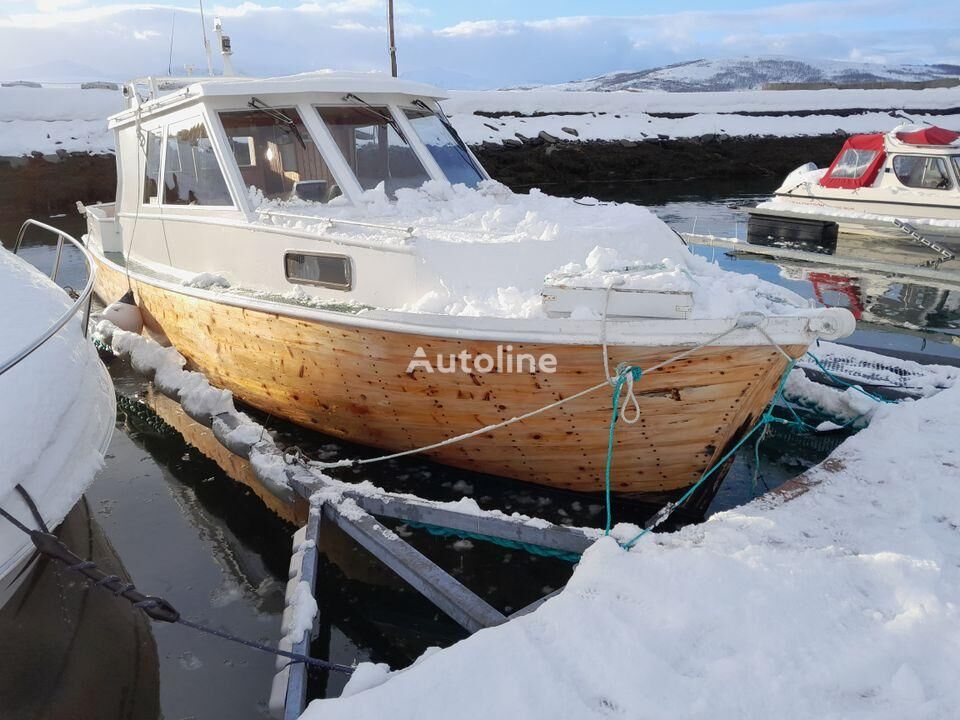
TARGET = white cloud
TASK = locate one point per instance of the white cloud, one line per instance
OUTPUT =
(133, 39)
(481, 28)
(48, 6)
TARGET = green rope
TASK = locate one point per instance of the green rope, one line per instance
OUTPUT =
(502, 542)
(767, 418)
(623, 375)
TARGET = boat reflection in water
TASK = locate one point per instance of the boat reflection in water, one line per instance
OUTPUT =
(925, 296)
(71, 650)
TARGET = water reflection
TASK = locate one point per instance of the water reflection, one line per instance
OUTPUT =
(73, 650)
(908, 317)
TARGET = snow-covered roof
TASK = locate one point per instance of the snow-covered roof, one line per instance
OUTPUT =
(327, 81)
(320, 81)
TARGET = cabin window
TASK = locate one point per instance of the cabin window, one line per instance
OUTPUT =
(917, 171)
(445, 146)
(244, 151)
(151, 172)
(956, 166)
(191, 173)
(374, 147)
(277, 156)
(853, 163)
(332, 271)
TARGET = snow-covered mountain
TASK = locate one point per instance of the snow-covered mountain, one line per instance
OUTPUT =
(751, 73)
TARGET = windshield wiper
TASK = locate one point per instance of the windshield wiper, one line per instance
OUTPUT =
(383, 116)
(288, 122)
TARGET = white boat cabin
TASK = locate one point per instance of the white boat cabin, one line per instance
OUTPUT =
(912, 172)
(196, 164)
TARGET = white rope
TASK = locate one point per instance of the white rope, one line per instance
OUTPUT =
(630, 398)
(603, 336)
(490, 428)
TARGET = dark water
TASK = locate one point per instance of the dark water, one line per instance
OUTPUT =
(181, 528)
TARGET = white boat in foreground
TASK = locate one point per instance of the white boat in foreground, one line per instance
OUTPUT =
(911, 174)
(57, 411)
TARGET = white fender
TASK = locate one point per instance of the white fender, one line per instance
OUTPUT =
(833, 323)
(125, 314)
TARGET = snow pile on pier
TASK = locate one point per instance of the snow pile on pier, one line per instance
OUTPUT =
(843, 602)
(56, 406)
(486, 252)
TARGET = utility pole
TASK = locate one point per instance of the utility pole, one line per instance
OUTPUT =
(393, 41)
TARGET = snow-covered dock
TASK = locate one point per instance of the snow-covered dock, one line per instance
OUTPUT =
(832, 595)
(835, 597)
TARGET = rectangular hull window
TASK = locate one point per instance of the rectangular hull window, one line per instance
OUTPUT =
(377, 153)
(191, 173)
(277, 156)
(331, 271)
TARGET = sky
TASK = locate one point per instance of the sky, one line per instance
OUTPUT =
(458, 44)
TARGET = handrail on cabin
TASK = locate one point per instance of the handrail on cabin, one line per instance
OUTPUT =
(84, 299)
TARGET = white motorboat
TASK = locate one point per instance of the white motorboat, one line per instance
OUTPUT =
(910, 175)
(58, 409)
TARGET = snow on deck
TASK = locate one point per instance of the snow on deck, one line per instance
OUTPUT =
(843, 602)
(486, 252)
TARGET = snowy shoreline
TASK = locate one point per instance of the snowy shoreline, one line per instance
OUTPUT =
(70, 119)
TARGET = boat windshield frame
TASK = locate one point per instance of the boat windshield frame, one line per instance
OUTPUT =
(307, 106)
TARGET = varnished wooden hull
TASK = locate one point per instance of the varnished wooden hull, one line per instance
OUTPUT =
(351, 382)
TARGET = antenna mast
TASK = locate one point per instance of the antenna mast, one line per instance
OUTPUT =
(173, 28)
(226, 49)
(206, 43)
(393, 42)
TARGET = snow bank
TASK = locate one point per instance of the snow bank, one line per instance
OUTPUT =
(841, 603)
(486, 252)
(57, 410)
(638, 116)
(48, 119)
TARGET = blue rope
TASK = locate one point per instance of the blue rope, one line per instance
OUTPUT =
(766, 419)
(622, 375)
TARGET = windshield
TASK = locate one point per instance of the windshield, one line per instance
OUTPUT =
(447, 149)
(277, 156)
(371, 144)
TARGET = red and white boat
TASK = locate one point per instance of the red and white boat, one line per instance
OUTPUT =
(911, 174)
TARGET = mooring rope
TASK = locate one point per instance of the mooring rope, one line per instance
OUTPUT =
(766, 419)
(525, 416)
(154, 607)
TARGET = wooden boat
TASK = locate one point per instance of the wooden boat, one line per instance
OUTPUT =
(911, 174)
(269, 244)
